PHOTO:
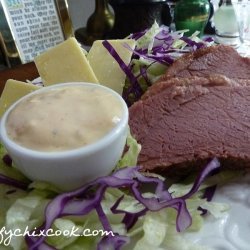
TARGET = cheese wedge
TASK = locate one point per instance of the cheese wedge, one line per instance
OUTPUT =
(13, 91)
(66, 62)
(105, 67)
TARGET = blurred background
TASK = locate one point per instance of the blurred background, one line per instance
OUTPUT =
(80, 10)
(96, 19)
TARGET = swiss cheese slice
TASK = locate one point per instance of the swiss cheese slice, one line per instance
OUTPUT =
(13, 91)
(105, 67)
(66, 62)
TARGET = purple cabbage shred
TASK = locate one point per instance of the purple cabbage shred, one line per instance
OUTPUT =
(13, 182)
(82, 201)
(208, 195)
(162, 51)
(7, 160)
(126, 69)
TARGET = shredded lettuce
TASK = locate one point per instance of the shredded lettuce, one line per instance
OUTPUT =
(146, 41)
(153, 230)
(132, 153)
(159, 234)
(20, 215)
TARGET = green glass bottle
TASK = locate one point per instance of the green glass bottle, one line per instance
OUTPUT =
(192, 15)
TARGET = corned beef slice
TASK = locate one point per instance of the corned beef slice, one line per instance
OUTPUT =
(184, 123)
(214, 80)
(218, 60)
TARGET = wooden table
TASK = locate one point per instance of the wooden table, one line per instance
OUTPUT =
(21, 73)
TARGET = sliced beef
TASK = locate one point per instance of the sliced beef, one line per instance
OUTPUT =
(213, 80)
(184, 125)
(214, 60)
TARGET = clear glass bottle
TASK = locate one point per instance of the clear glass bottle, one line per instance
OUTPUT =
(226, 24)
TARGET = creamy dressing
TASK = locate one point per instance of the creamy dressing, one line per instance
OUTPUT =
(231, 231)
(64, 118)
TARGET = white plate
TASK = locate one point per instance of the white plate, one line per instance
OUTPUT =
(232, 231)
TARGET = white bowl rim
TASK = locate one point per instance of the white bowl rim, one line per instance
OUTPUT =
(84, 150)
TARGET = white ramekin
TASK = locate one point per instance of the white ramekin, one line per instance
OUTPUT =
(72, 168)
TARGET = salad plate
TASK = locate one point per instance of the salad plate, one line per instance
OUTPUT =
(231, 230)
(161, 215)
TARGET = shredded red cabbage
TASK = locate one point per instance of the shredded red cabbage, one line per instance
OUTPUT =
(208, 39)
(162, 51)
(43, 246)
(83, 200)
(13, 182)
(10, 181)
(208, 195)
(7, 160)
(125, 68)
(194, 45)
(163, 46)
(137, 35)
